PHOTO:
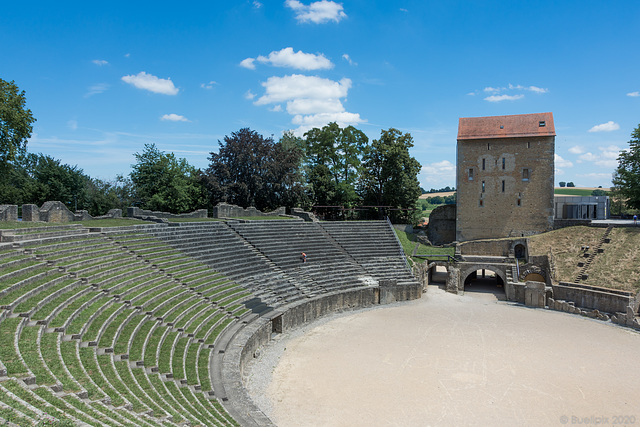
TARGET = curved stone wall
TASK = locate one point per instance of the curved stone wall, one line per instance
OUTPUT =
(256, 334)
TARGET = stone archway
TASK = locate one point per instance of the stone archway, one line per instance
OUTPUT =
(533, 274)
(494, 280)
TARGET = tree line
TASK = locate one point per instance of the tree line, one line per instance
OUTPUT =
(335, 170)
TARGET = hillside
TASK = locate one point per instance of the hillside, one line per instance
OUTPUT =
(617, 267)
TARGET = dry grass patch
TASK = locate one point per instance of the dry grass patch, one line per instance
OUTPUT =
(618, 266)
(565, 245)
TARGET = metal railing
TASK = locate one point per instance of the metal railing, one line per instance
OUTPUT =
(447, 258)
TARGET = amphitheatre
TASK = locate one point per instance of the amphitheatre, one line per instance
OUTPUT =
(215, 318)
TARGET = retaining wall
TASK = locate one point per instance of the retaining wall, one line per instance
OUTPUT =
(224, 210)
(593, 297)
(252, 337)
(55, 211)
(134, 212)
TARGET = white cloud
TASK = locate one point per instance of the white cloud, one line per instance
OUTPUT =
(314, 106)
(72, 124)
(511, 89)
(538, 89)
(151, 83)
(279, 89)
(317, 12)
(248, 63)
(348, 59)
(606, 158)
(443, 172)
(312, 101)
(576, 149)
(562, 163)
(249, 95)
(498, 98)
(288, 58)
(174, 118)
(634, 94)
(96, 89)
(100, 62)
(276, 108)
(257, 4)
(208, 85)
(402, 9)
(605, 127)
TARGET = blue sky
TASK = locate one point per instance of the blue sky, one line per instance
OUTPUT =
(104, 78)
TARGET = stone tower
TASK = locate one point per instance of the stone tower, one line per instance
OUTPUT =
(505, 176)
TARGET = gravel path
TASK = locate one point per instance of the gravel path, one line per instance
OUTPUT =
(450, 360)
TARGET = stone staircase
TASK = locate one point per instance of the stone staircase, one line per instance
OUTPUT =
(593, 252)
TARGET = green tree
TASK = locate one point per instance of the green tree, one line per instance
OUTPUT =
(626, 178)
(598, 193)
(334, 164)
(251, 170)
(570, 184)
(15, 123)
(163, 182)
(390, 175)
(562, 184)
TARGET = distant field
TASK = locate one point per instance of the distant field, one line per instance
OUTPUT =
(443, 194)
(576, 191)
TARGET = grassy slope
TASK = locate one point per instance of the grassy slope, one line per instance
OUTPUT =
(408, 242)
(617, 267)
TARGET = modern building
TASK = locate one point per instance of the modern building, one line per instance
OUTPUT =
(505, 176)
(585, 207)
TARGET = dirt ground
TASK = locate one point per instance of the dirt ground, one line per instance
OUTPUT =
(450, 360)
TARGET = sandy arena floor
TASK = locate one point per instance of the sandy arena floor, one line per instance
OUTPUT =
(450, 360)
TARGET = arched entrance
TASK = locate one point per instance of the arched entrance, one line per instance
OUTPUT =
(484, 280)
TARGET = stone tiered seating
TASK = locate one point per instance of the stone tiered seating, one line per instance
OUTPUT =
(328, 266)
(217, 245)
(374, 245)
(121, 326)
(73, 301)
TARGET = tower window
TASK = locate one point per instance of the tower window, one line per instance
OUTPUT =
(470, 174)
(542, 123)
(488, 146)
(483, 162)
(481, 205)
(503, 163)
(528, 144)
(503, 185)
(519, 202)
(525, 174)
(483, 186)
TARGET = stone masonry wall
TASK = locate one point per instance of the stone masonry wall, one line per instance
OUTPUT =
(224, 210)
(494, 213)
(8, 212)
(442, 225)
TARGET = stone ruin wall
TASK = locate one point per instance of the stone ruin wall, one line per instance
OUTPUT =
(51, 212)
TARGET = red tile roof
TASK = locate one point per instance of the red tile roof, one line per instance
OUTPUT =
(519, 125)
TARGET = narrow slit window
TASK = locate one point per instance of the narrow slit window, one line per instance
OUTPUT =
(503, 185)
(483, 186)
(525, 174)
(528, 144)
(488, 146)
(481, 202)
(503, 163)
(470, 174)
(483, 163)
(519, 202)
